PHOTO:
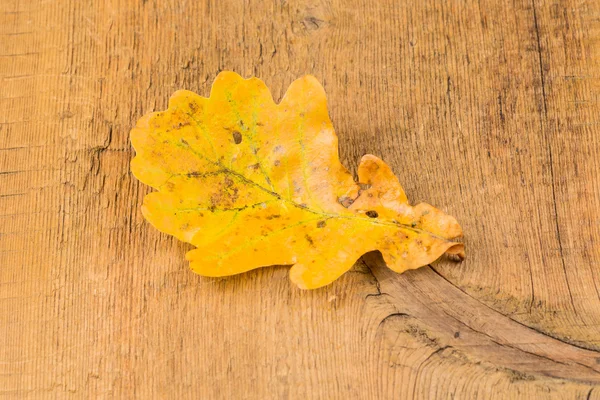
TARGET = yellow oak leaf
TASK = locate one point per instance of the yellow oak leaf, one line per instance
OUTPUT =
(251, 183)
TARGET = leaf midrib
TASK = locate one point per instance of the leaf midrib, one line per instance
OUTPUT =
(241, 177)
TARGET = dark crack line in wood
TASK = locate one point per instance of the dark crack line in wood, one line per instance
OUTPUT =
(95, 154)
(12, 194)
(394, 314)
(539, 52)
(512, 319)
(380, 294)
(492, 339)
(439, 350)
(543, 118)
(510, 346)
(377, 286)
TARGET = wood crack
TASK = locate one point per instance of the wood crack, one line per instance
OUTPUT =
(409, 294)
(543, 119)
(512, 319)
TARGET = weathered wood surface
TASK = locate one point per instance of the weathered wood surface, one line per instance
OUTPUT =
(487, 109)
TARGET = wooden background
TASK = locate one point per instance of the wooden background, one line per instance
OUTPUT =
(487, 109)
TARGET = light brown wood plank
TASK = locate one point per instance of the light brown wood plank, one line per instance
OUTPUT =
(488, 110)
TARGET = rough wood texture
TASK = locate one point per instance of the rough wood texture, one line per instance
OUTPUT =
(486, 108)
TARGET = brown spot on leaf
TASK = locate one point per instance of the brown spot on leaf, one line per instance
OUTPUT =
(193, 106)
(364, 186)
(346, 201)
(254, 166)
(321, 224)
(309, 240)
(225, 195)
(185, 142)
(372, 214)
(270, 217)
(277, 163)
(237, 137)
(234, 195)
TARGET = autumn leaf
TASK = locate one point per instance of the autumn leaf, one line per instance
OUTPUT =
(251, 183)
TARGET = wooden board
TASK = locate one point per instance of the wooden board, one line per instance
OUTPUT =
(487, 109)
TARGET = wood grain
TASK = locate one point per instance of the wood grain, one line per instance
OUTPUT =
(487, 109)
